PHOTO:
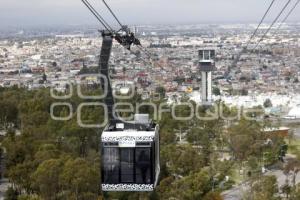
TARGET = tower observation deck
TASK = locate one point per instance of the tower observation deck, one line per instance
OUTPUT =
(206, 67)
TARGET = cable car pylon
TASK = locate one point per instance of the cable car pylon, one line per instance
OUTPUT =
(130, 150)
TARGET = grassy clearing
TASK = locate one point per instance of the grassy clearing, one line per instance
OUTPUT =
(294, 146)
(236, 176)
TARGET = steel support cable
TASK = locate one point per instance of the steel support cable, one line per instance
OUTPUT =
(98, 16)
(287, 16)
(149, 55)
(235, 61)
(113, 14)
(275, 20)
(260, 23)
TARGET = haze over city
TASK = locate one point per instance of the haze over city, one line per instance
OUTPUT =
(72, 12)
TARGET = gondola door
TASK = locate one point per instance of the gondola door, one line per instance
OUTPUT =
(127, 165)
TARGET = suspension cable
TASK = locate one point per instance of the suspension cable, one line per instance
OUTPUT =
(287, 16)
(260, 23)
(275, 20)
(235, 61)
(97, 15)
(148, 54)
(113, 14)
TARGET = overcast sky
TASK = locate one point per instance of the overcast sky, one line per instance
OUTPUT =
(73, 12)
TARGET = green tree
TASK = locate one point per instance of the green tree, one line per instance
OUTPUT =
(265, 188)
(80, 179)
(194, 186)
(11, 194)
(286, 189)
(216, 91)
(213, 196)
(182, 160)
(46, 152)
(295, 194)
(46, 178)
(161, 91)
(245, 139)
(20, 175)
(268, 103)
(244, 92)
(29, 197)
(8, 114)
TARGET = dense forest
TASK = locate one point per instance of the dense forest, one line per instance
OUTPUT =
(58, 160)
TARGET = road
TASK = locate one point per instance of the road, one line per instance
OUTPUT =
(3, 187)
(237, 192)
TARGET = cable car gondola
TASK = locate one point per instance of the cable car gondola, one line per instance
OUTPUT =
(130, 155)
(130, 150)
